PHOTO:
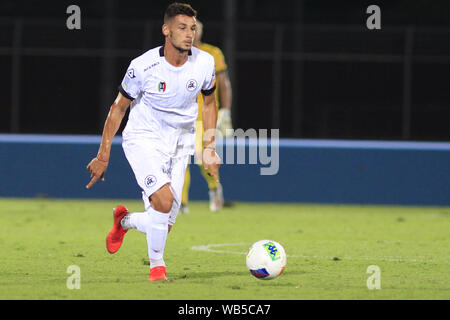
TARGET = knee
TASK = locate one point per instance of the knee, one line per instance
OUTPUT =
(166, 205)
(163, 204)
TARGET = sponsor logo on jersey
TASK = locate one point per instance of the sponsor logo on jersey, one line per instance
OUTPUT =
(167, 169)
(191, 85)
(151, 66)
(131, 74)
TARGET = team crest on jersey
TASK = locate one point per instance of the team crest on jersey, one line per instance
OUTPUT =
(191, 85)
(162, 87)
(131, 74)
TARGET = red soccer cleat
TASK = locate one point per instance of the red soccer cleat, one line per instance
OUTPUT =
(157, 274)
(114, 238)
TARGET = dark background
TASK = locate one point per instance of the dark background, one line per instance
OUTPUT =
(310, 68)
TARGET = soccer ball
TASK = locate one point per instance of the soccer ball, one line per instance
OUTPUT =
(266, 259)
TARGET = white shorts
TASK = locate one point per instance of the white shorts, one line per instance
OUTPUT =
(154, 169)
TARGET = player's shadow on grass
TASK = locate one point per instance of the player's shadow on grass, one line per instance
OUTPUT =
(216, 274)
(206, 275)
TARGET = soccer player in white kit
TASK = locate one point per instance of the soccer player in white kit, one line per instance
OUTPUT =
(162, 86)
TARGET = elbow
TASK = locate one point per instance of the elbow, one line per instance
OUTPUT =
(116, 108)
(209, 106)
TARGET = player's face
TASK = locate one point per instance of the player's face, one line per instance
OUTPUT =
(181, 32)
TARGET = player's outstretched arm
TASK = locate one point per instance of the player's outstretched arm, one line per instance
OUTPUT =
(97, 167)
(211, 160)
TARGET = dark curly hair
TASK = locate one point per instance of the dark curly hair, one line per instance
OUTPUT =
(177, 8)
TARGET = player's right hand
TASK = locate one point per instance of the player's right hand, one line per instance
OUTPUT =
(97, 168)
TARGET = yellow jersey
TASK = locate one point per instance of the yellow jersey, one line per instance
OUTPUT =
(220, 66)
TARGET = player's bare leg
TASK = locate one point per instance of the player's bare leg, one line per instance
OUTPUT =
(215, 191)
(216, 198)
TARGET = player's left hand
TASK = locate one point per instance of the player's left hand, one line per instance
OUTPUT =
(211, 162)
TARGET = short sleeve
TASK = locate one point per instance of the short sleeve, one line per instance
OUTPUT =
(131, 85)
(209, 84)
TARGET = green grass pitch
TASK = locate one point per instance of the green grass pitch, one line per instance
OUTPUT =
(329, 247)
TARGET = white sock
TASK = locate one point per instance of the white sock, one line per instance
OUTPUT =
(157, 263)
(137, 220)
(155, 225)
(156, 239)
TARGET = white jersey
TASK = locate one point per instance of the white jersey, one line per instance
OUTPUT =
(164, 106)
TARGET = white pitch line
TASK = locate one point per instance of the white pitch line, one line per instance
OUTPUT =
(209, 248)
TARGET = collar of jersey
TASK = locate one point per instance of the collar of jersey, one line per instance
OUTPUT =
(161, 54)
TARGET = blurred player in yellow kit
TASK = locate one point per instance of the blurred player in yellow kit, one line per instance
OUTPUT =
(223, 97)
